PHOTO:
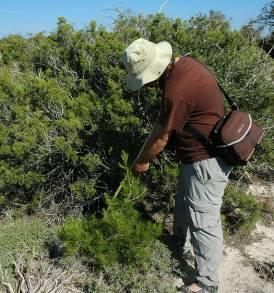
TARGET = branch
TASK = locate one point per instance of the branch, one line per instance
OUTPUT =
(162, 6)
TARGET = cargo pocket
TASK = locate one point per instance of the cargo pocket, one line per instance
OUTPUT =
(201, 172)
(204, 220)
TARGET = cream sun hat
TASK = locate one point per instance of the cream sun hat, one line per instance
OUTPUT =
(145, 61)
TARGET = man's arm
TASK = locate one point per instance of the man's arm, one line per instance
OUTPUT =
(155, 143)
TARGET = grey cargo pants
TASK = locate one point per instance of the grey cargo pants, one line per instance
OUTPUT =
(197, 214)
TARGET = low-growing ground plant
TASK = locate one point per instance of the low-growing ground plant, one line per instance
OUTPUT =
(24, 234)
(240, 211)
(265, 269)
(37, 273)
(155, 275)
(120, 235)
(268, 211)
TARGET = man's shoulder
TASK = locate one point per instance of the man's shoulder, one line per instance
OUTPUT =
(188, 65)
(187, 77)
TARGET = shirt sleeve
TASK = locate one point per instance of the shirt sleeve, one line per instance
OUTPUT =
(174, 113)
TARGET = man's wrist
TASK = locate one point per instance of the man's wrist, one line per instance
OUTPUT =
(143, 159)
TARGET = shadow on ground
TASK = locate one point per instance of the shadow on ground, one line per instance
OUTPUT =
(183, 267)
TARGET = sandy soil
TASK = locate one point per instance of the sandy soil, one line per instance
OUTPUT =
(237, 274)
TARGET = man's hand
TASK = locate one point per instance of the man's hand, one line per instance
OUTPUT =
(141, 167)
(154, 144)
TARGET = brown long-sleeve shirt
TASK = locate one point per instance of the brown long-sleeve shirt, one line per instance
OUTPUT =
(191, 96)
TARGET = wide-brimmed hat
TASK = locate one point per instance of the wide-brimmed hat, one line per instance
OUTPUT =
(145, 62)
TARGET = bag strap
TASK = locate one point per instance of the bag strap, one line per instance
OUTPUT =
(231, 103)
(200, 137)
(196, 133)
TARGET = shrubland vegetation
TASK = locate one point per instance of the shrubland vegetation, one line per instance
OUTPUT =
(119, 236)
(240, 211)
(69, 129)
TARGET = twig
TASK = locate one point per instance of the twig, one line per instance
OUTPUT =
(244, 174)
(119, 189)
(9, 288)
(20, 274)
(162, 6)
(73, 290)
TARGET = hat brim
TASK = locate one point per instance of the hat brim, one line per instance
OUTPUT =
(155, 70)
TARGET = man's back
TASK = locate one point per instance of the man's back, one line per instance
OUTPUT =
(191, 96)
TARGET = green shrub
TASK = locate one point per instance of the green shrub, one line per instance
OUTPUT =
(240, 211)
(24, 234)
(131, 187)
(120, 235)
(164, 179)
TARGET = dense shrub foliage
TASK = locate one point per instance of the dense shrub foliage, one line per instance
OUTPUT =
(65, 114)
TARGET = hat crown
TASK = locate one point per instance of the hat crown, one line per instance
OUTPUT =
(138, 56)
(145, 61)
